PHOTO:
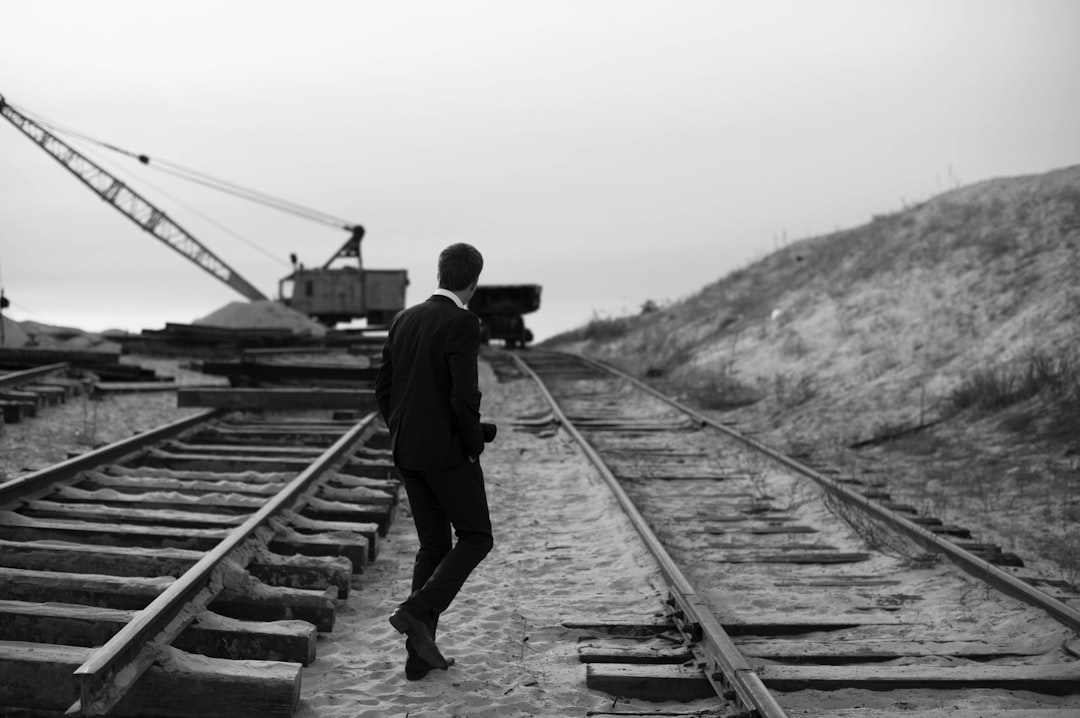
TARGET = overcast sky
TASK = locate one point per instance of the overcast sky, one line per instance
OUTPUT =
(613, 151)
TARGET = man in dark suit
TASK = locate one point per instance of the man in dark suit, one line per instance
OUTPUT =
(427, 393)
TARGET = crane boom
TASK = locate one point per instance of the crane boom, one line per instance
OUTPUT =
(130, 203)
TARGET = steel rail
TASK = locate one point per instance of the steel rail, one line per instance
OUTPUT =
(965, 560)
(729, 671)
(17, 378)
(113, 668)
(34, 484)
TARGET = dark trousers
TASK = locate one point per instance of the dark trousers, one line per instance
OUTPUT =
(440, 501)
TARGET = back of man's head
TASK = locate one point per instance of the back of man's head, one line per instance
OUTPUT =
(459, 266)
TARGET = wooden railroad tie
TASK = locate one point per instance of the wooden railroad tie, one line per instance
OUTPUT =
(662, 669)
(209, 634)
(356, 545)
(277, 398)
(38, 676)
(249, 600)
(313, 573)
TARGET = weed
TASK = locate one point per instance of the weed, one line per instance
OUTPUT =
(1065, 552)
(877, 534)
(721, 391)
(1023, 422)
(794, 346)
(791, 390)
(998, 242)
(1026, 476)
(916, 443)
(603, 329)
(991, 389)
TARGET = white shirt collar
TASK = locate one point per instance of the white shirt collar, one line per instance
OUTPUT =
(447, 293)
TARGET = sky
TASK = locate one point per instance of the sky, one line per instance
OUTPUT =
(612, 151)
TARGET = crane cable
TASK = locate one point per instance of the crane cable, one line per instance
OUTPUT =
(236, 190)
(164, 193)
(197, 177)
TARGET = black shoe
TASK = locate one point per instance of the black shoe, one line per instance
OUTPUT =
(405, 622)
(421, 669)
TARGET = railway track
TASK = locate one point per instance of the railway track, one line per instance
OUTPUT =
(775, 606)
(794, 593)
(188, 570)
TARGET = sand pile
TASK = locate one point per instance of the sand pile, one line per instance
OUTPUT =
(263, 314)
(36, 335)
(77, 341)
(14, 335)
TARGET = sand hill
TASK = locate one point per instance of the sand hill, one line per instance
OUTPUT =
(45, 336)
(14, 335)
(235, 315)
(839, 347)
(265, 314)
(882, 320)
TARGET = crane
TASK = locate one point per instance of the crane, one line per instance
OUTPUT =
(326, 294)
(129, 202)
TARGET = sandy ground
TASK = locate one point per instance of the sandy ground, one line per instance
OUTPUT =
(561, 554)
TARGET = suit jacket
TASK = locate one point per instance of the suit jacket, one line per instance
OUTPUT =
(426, 387)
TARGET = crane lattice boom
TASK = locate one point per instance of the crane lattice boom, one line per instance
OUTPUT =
(130, 203)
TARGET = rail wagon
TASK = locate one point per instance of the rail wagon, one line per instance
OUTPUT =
(501, 308)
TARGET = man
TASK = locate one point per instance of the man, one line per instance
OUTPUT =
(427, 393)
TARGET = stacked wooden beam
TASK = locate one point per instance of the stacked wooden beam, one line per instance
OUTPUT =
(262, 371)
(206, 340)
(104, 365)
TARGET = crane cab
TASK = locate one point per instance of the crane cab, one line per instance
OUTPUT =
(333, 295)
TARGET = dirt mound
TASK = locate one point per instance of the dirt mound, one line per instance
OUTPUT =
(933, 348)
(48, 336)
(264, 314)
(14, 335)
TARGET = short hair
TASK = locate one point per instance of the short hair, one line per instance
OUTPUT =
(459, 266)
